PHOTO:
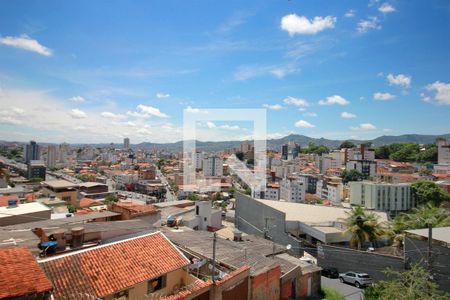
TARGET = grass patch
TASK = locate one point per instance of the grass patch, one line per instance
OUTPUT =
(330, 294)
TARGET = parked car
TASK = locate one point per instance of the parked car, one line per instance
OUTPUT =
(358, 279)
(330, 272)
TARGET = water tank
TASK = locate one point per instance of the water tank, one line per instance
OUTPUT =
(60, 236)
(237, 235)
(77, 237)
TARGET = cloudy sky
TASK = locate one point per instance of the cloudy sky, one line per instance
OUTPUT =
(97, 71)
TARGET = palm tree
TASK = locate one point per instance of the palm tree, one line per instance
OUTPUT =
(420, 217)
(362, 226)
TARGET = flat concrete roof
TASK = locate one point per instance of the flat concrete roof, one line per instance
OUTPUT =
(91, 184)
(23, 209)
(312, 214)
(58, 184)
(441, 234)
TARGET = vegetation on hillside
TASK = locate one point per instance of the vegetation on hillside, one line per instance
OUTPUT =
(407, 152)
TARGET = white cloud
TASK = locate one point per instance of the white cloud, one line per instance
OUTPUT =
(230, 127)
(77, 99)
(110, 115)
(137, 115)
(26, 43)
(151, 111)
(273, 106)
(211, 125)
(275, 135)
(310, 114)
(442, 90)
(364, 127)
(162, 95)
(383, 96)
(302, 109)
(335, 99)
(78, 114)
(296, 101)
(369, 23)
(387, 130)
(303, 124)
(279, 71)
(294, 24)
(386, 8)
(400, 79)
(350, 13)
(11, 116)
(347, 115)
(192, 110)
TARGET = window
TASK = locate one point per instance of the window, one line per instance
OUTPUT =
(156, 284)
(196, 210)
(123, 295)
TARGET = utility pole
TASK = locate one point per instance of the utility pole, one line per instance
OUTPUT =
(430, 245)
(214, 258)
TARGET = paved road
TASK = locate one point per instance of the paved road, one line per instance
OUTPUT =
(170, 196)
(349, 291)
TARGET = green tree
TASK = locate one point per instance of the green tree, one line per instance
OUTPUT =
(406, 152)
(240, 155)
(427, 191)
(110, 199)
(251, 161)
(71, 208)
(382, 152)
(346, 144)
(419, 218)
(362, 226)
(36, 179)
(193, 197)
(352, 175)
(429, 155)
(248, 191)
(409, 285)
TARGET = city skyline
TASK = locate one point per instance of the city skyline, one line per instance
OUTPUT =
(352, 70)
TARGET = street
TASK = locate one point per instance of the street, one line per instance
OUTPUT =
(349, 291)
(170, 196)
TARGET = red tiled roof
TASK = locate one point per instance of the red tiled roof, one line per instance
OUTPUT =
(20, 274)
(136, 208)
(4, 199)
(110, 268)
(85, 202)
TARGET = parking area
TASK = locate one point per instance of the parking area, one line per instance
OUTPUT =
(349, 291)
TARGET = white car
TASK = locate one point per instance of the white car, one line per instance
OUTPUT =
(358, 279)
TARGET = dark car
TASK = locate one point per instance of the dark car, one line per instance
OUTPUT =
(330, 272)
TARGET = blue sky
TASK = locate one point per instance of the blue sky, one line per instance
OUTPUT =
(96, 71)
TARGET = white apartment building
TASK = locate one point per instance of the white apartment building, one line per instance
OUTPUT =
(199, 156)
(123, 179)
(325, 162)
(292, 190)
(361, 152)
(330, 190)
(52, 156)
(272, 192)
(387, 197)
(213, 166)
(443, 152)
(366, 167)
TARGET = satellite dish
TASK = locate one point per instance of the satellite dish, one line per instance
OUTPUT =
(288, 247)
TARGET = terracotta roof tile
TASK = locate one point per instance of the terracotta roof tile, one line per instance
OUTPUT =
(20, 274)
(110, 268)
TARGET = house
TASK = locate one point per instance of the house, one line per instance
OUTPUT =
(205, 217)
(134, 268)
(62, 189)
(130, 210)
(21, 277)
(23, 213)
(93, 190)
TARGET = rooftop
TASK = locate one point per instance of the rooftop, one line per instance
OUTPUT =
(441, 234)
(20, 274)
(22, 209)
(312, 214)
(59, 184)
(91, 184)
(105, 269)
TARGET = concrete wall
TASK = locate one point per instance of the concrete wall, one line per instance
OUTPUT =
(251, 216)
(416, 252)
(345, 260)
(25, 218)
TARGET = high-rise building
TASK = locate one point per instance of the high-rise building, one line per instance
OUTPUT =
(36, 169)
(212, 166)
(443, 152)
(52, 156)
(126, 143)
(292, 190)
(290, 150)
(31, 152)
(284, 151)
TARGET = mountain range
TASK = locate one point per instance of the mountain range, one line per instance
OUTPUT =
(302, 140)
